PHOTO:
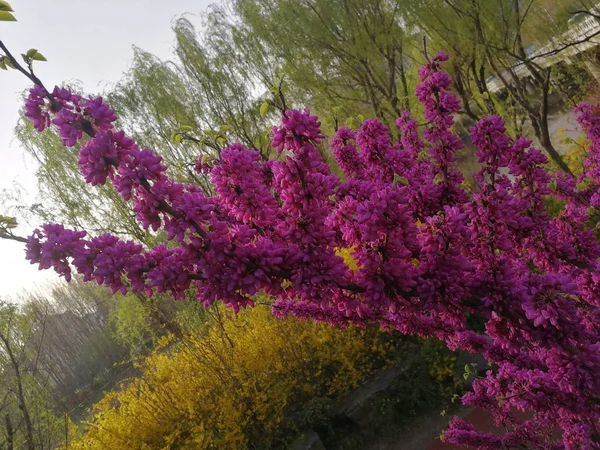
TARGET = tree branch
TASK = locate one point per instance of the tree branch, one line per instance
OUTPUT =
(12, 237)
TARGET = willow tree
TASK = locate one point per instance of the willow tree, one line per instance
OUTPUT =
(208, 93)
(496, 38)
(348, 57)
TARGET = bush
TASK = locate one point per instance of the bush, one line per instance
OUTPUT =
(237, 385)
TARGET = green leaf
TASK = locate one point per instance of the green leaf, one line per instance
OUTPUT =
(6, 16)
(2, 64)
(8, 63)
(264, 108)
(220, 141)
(224, 128)
(31, 52)
(25, 58)
(38, 57)
(7, 222)
(186, 128)
(4, 6)
(401, 180)
(176, 138)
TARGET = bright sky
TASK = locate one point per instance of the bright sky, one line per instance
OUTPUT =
(82, 40)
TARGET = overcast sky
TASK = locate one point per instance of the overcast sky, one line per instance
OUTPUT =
(84, 40)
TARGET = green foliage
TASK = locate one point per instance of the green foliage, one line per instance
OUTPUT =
(33, 55)
(7, 223)
(342, 60)
(5, 63)
(427, 383)
(131, 323)
(264, 109)
(25, 398)
(6, 16)
(192, 317)
(487, 37)
(316, 413)
(5, 6)
(574, 80)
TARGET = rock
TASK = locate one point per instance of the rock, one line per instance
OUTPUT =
(359, 406)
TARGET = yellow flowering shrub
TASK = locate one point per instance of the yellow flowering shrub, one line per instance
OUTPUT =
(346, 254)
(241, 382)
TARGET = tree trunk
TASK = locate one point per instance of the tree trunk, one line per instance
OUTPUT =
(544, 130)
(546, 143)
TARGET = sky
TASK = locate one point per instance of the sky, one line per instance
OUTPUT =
(88, 41)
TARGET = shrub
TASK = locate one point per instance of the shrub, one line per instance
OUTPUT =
(249, 381)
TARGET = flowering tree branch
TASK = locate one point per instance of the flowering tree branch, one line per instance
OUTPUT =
(422, 254)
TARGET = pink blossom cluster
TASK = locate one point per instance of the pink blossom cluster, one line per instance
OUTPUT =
(71, 114)
(430, 255)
